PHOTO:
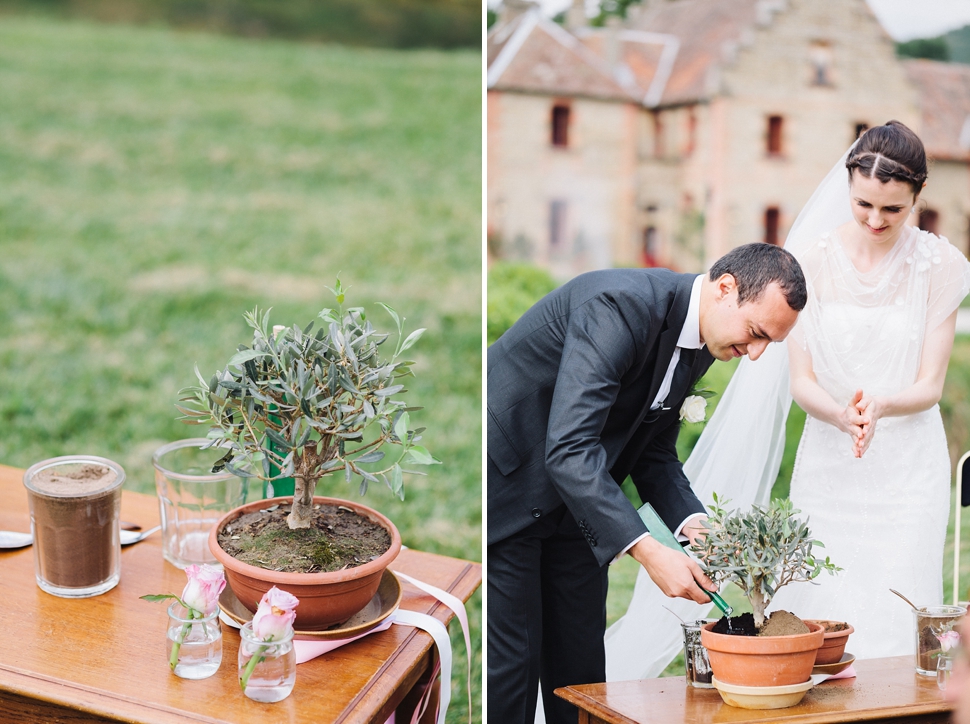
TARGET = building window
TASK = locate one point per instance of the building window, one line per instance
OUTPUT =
(650, 243)
(658, 135)
(557, 224)
(929, 220)
(820, 57)
(691, 131)
(771, 225)
(861, 128)
(560, 125)
(774, 135)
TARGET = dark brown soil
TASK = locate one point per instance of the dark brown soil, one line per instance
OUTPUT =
(929, 648)
(338, 539)
(779, 623)
(833, 626)
(742, 625)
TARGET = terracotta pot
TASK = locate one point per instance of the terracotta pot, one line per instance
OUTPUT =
(325, 598)
(762, 660)
(833, 646)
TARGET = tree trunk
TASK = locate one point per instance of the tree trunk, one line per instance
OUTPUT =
(302, 513)
(758, 607)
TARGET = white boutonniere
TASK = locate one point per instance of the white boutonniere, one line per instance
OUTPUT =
(694, 408)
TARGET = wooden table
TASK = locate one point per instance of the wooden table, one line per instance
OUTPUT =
(885, 690)
(104, 658)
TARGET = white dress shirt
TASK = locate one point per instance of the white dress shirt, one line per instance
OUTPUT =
(690, 338)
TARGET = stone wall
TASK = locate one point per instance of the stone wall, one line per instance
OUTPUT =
(592, 179)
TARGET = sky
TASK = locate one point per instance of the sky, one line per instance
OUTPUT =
(903, 19)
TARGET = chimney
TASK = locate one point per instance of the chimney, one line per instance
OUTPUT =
(576, 17)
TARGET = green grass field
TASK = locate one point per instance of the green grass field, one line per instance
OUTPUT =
(156, 185)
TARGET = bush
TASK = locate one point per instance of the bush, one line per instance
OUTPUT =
(512, 289)
(380, 23)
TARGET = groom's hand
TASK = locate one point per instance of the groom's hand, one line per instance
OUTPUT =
(677, 575)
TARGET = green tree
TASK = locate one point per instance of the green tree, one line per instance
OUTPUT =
(932, 48)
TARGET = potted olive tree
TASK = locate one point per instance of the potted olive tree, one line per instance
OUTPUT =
(761, 551)
(312, 403)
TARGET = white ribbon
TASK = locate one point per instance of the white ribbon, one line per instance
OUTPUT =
(440, 635)
(458, 607)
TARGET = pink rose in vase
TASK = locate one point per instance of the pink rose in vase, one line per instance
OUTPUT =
(202, 591)
(273, 621)
(200, 598)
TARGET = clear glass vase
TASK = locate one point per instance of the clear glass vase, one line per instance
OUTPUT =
(194, 644)
(944, 667)
(267, 671)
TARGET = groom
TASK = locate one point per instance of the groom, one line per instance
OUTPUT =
(584, 390)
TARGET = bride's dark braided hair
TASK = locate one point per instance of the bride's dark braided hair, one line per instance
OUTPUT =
(890, 152)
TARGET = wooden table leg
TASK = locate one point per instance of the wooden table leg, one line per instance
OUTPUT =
(405, 709)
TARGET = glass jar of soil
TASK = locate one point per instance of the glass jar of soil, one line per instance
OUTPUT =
(698, 668)
(932, 622)
(75, 504)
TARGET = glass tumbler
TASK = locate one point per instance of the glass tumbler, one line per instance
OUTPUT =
(75, 505)
(191, 499)
(931, 623)
(267, 671)
(194, 645)
(698, 668)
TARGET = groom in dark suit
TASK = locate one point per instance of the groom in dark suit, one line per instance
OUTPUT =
(584, 390)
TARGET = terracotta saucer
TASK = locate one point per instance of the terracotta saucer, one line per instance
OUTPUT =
(382, 605)
(761, 697)
(841, 665)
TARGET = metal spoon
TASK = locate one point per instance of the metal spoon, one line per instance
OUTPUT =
(904, 598)
(10, 539)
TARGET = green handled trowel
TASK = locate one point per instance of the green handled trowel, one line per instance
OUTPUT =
(659, 530)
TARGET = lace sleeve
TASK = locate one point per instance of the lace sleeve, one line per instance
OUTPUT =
(949, 281)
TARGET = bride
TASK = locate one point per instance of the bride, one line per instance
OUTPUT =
(867, 362)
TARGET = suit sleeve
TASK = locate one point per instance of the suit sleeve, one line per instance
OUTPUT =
(598, 350)
(659, 478)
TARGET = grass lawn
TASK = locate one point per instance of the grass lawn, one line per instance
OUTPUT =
(156, 185)
(955, 407)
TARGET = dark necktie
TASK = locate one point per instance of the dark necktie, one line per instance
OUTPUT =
(678, 384)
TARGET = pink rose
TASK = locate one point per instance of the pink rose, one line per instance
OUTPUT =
(275, 615)
(949, 640)
(202, 591)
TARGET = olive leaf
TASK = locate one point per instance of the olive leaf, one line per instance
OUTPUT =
(761, 550)
(309, 402)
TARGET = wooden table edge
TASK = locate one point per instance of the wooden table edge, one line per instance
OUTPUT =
(591, 706)
(79, 697)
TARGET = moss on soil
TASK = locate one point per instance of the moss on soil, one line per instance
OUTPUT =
(338, 539)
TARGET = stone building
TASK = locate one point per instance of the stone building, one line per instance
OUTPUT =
(697, 125)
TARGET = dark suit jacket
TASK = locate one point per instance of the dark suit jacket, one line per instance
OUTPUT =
(569, 389)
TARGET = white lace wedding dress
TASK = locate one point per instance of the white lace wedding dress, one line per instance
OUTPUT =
(881, 517)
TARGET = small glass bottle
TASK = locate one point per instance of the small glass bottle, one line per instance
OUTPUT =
(194, 644)
(267, 671)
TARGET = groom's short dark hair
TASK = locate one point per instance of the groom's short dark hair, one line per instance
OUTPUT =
(755, 266)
